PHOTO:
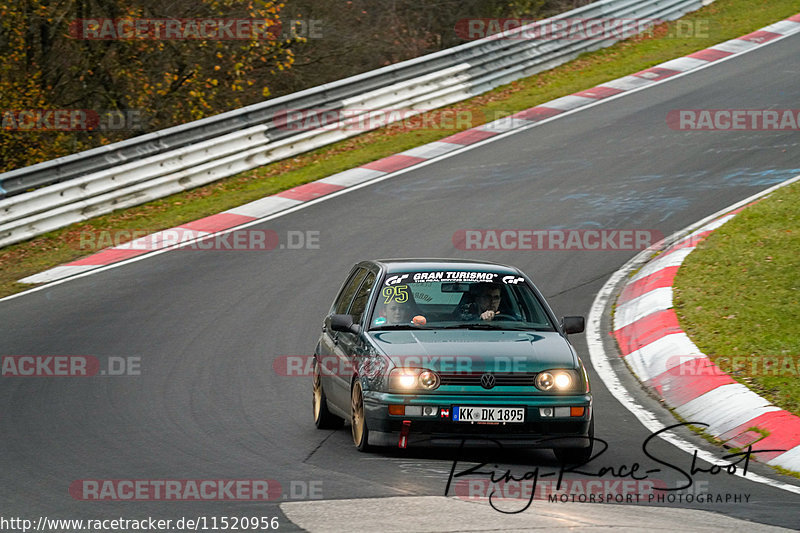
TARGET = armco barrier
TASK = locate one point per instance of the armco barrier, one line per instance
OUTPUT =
(144, 168)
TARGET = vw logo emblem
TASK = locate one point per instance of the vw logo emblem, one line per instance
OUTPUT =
(487, 381)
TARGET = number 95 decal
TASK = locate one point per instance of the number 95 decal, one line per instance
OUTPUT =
(395, 293)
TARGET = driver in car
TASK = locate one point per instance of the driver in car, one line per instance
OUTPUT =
(486, 303)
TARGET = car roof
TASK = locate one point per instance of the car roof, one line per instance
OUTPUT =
(426, 264)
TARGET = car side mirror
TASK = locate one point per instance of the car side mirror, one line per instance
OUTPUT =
(345, 324)
(573, 324)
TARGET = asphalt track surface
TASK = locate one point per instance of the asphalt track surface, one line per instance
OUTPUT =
(208, 325)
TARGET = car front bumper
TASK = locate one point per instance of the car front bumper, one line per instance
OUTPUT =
(536, 431)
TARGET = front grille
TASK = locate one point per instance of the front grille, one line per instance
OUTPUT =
(502, 379)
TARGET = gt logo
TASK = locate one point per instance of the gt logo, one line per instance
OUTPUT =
(512, 280)
(394, 280)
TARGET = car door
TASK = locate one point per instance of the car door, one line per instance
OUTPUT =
(330, 339)
(350, 346)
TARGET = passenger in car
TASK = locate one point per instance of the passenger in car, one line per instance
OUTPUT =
(400, 313)
(397, 313)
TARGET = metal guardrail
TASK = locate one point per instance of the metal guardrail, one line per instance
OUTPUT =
(144, 168)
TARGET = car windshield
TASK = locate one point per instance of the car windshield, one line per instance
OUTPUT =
(458, 300)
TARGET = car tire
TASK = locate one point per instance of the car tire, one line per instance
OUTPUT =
(576, 455)
(358, 422)
(323, 418)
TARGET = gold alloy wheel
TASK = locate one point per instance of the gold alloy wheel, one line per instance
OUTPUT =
(323, 418)
(317, 393)
(357, 423)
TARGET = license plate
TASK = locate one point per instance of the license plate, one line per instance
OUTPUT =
(502, 415)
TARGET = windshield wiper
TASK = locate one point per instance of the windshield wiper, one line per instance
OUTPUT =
(486, 325)
(396, 326)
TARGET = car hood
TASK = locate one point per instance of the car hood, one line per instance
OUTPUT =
(476, 351)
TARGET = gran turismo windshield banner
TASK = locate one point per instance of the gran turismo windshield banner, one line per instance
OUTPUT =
(451, 276)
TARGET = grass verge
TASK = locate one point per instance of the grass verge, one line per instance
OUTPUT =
(737, 296)
(722, 20)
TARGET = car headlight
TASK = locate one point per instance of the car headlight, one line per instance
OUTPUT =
(413, 379)
(556, 380)
(428, 379)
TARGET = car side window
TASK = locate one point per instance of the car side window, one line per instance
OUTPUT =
(362, 297)
(346, 295)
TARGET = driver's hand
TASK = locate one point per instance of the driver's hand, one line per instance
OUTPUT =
(488, 315)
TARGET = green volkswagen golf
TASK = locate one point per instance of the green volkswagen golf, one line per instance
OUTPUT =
(435, 352)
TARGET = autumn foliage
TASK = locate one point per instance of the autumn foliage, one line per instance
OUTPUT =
(162, 82)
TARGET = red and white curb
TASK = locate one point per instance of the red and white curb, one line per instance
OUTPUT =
(404, 160)
(665, 359)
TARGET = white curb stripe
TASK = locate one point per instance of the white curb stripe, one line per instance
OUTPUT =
(354, 176)
(431, 150)
(565, 103)
(627, 83)
(789, 459)
(57, 273)
(505, 124)
(641, 306)
(264, 206)
(694, 236)
(725, 408)
(662, 354)
(663, 261)
(735, 46)
(161, 239)
(682, 64)
(716, 224)
(784, 27)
